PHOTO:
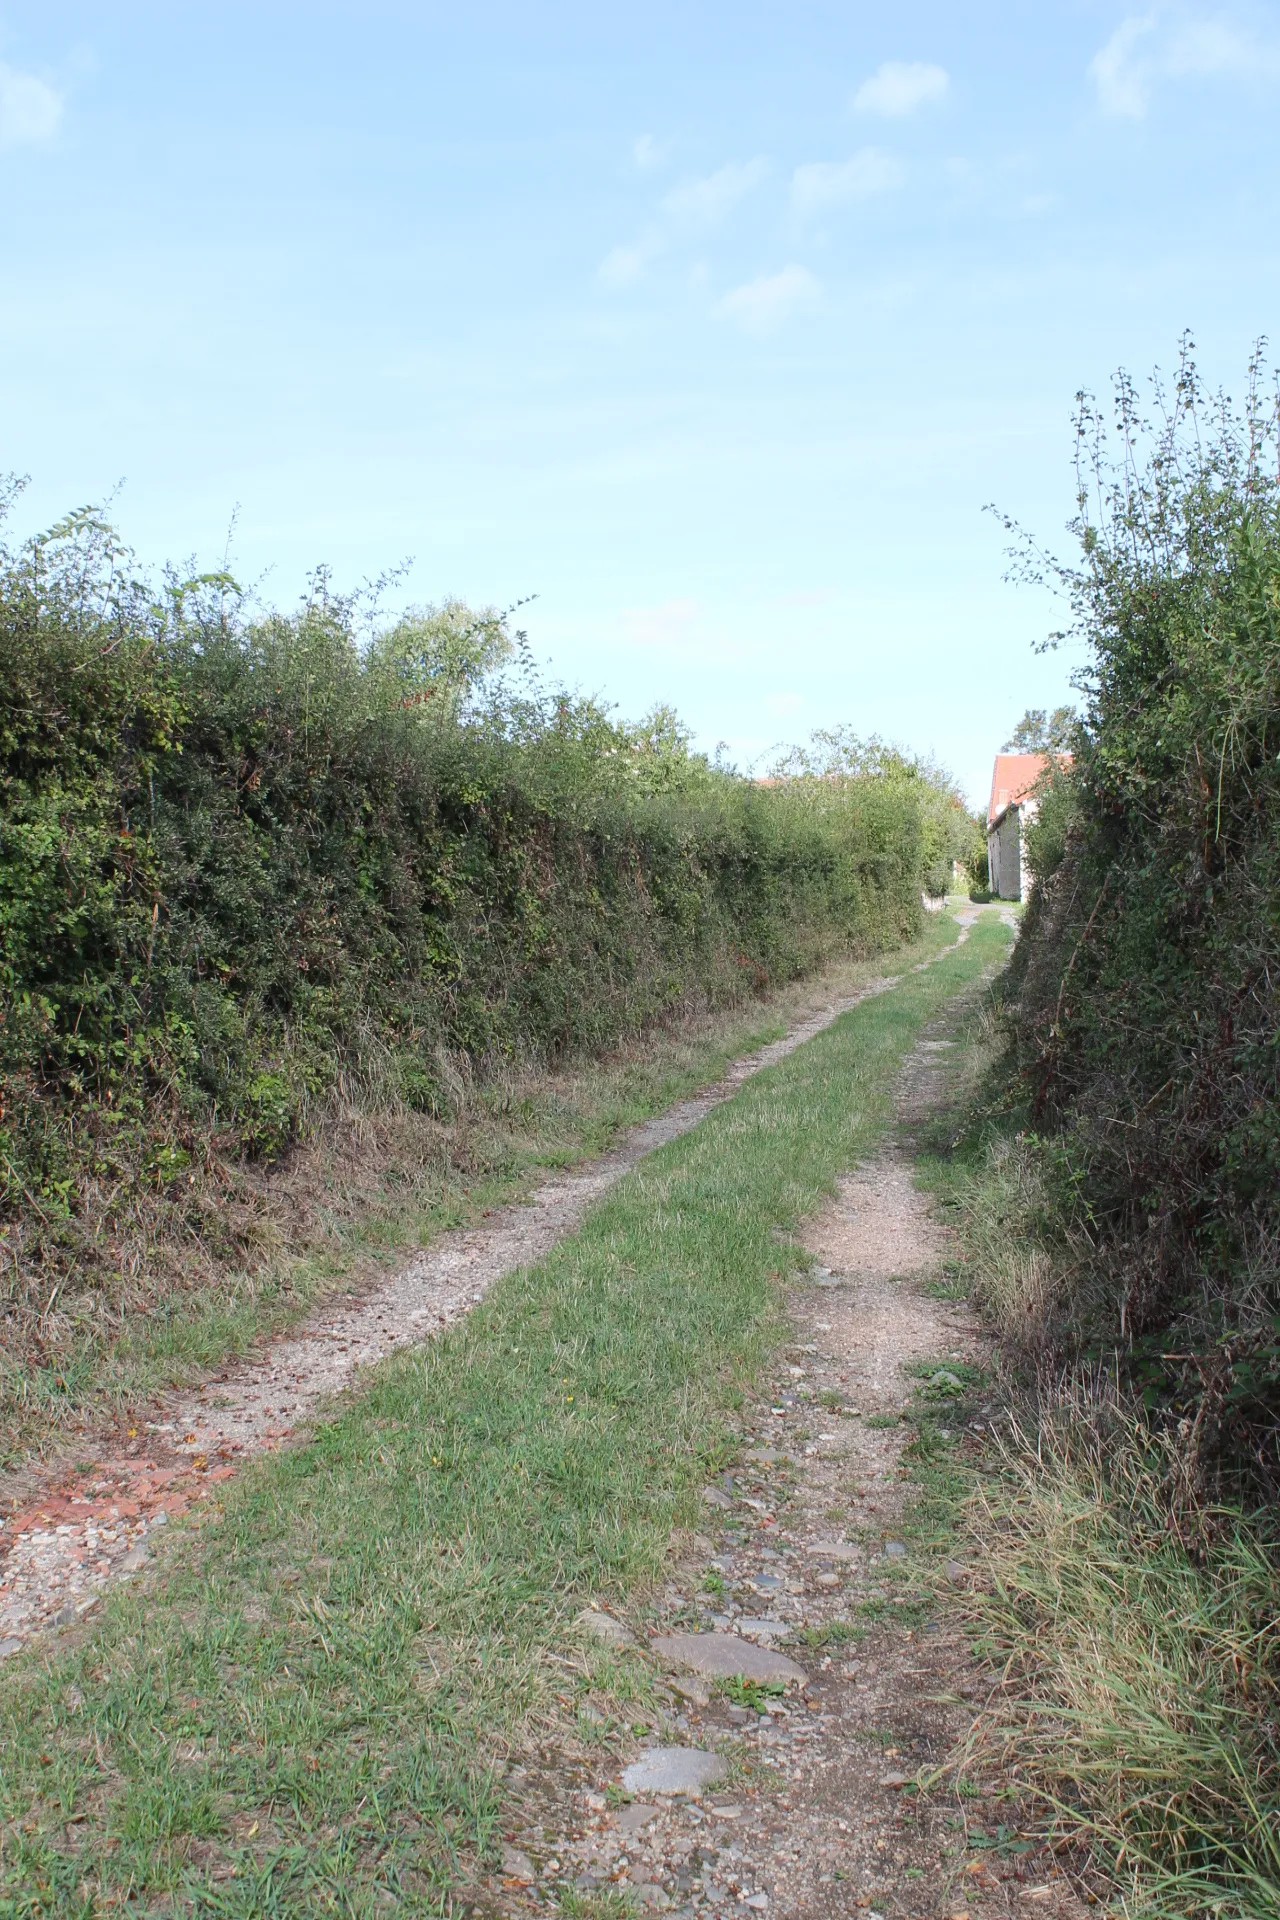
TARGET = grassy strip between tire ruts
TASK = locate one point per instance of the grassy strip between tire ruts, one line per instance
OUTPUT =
(343, 1207)
(305, 1711)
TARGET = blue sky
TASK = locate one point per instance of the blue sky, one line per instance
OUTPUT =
(713, 326)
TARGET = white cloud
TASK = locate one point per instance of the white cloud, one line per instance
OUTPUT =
(1204, 47)
(1137, 56)
(826, 183)
(704, 203)
(693, 208)
(29, 109)
(761, 306)
(623, 265)
(650, 154)
(899, 87)
(1122, 80)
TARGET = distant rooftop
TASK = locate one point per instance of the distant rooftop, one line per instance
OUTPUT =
(1014, 776)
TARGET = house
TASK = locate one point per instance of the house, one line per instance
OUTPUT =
(1013, 806)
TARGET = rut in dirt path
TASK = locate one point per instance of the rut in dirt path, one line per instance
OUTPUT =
(808, 1573)
(61, 1549)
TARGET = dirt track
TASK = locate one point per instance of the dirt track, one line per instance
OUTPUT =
(813, 1816)
(61, 1548)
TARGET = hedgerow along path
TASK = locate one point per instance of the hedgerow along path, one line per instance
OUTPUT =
(308, 1707)
(68, 1536)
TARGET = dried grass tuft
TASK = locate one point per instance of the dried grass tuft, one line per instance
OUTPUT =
(1138, 1647)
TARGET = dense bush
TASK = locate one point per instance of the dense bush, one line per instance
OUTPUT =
(1147, 975)
(950, 834)
(244, 862)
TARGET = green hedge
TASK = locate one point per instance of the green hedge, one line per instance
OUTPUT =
(243, 859)
(1147, 977)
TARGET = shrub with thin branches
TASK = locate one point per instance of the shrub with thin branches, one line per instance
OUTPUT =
(1147, 978)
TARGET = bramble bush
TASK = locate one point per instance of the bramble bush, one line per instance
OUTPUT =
(248, 861)
(1146, 979)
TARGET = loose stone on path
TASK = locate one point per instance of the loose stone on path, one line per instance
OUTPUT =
(603, 1627)
(722, 1655)
(673, 1770)
(636, 1817)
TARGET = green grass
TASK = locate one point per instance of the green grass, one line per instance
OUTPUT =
(942, 1479)
(1142, 1684)
(595, 1906)
(984, 1174)
(1131, 1631)
(324, 1221)
(750, 1693)
(832, 1633)
(904, 1609)
(950, 1286)
(310, 1708)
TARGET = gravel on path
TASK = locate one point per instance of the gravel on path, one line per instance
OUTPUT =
(61, 1547)
(816, 1816)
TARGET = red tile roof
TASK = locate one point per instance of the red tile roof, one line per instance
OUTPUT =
(1013, 778)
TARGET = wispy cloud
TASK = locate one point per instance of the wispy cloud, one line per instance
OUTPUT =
(694, 207)
(1142, 52)
(827, 183)
(699, 204)
(761, 306)
(900, 86)
(650, 154)
(29, 108)
(1200, 48)
(1120, 74)
(622, 265)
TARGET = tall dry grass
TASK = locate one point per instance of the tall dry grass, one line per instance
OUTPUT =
(1137, 1640)
(1133, 1628)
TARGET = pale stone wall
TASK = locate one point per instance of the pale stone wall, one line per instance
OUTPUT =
(1005, 856)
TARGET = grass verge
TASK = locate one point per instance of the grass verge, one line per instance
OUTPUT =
(308, 1709)
(1141, 1686)
(1132, 1634)
(374, 1183)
